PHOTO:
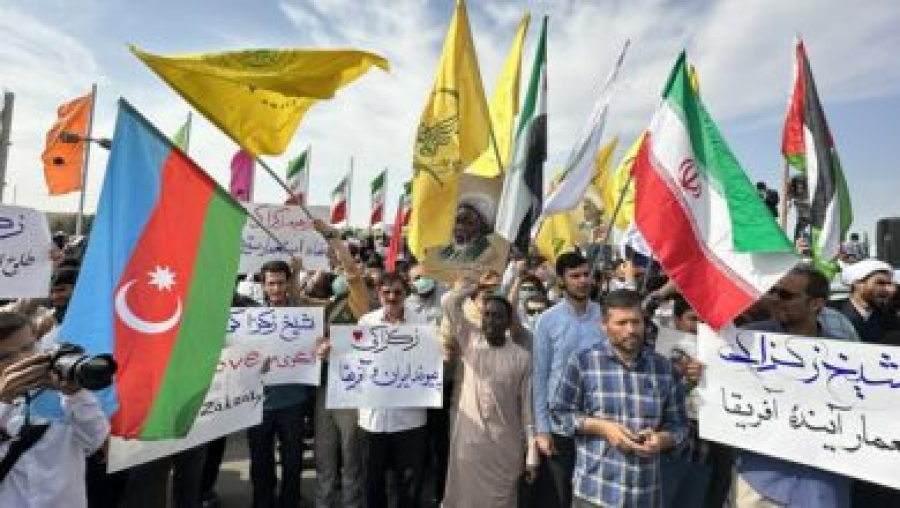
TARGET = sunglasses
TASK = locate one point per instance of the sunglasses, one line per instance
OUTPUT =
(783, 294)
(391, 292)
(534, 310)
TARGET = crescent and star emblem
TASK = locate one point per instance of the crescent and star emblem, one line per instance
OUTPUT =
(163, 278)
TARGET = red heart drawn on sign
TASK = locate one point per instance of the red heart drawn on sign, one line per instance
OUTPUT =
(357, 335)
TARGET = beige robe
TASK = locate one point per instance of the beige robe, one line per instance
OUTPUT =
(489, 437)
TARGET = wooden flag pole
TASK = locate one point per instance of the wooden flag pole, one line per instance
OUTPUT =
(785, 188)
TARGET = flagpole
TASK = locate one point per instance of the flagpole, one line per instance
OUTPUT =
(306, 171)
(785, 187)
(5, 126)
(612, 221)
(281, 183)
(79, 219)
(187, 133)
(349, 195)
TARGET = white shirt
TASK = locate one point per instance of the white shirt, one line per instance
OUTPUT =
(388, 420)
(51, 473)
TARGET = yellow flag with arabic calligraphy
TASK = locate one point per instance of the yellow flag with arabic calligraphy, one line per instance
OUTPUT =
(453, 131)
(503, 107)
(258, 97)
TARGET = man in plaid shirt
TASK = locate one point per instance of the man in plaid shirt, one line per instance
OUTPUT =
(625, 406)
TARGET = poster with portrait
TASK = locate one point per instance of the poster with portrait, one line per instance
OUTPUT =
(473, 248)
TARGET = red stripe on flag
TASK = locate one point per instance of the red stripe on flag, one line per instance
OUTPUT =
(150, 296)
(668, 228)
(393, 252)
(338, 212)
(792, 144)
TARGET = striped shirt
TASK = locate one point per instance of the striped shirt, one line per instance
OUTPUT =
(645, 395)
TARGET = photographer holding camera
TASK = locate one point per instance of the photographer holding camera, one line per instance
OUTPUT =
(42, 463)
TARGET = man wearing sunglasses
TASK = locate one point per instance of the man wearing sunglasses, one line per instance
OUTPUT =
(795, 303)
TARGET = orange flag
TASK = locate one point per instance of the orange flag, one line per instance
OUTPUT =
(63, 162)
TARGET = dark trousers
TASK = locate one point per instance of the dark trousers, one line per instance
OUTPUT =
(404, 453)
(215, 452)
(103, 489)
(438, 450)
(553, 487)
(148, 484)
(339, 454)
(865, 495)
(285, 424)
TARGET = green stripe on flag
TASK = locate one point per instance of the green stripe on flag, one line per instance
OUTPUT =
(753, 226)
(198, 347)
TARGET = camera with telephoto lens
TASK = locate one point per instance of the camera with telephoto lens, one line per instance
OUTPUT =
(73, 364)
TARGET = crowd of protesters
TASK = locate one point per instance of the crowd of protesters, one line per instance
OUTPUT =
(554, 395)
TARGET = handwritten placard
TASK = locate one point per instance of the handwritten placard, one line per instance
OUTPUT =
(234, 402)
(295, 234)
(25, 265)
(384, 366)
(285, 336)
(826, 403)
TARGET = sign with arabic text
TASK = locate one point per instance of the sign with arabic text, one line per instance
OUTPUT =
(826, 403)
(284, 337)
(25, 265)
(295, 238)
(234, 402)
(382, 366)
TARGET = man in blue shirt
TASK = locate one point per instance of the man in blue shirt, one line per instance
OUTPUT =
(625, 405)
(570, 325)
(761, 481)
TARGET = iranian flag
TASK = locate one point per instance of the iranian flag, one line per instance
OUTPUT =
(699, 212)
(377, 216)
(808, 146)
(404, 207)
(298, 178)
(339, 202)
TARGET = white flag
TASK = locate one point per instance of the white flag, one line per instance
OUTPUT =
(580, 167)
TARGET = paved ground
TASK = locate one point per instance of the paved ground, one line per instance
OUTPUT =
(233, 485)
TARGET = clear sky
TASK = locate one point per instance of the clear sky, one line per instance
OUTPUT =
(53, 50)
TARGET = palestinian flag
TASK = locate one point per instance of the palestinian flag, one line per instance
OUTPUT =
(298, 178)
(808, 146)
(523, 187)
(377, 216)
(339, 202)
(156, 283)
(700, 213)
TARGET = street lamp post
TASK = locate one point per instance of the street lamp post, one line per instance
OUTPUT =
(71, 137)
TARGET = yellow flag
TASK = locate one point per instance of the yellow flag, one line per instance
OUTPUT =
(503, 107)
(258, 97)
(453, 131)
(601, 172)
(558, 232)
(616, 183)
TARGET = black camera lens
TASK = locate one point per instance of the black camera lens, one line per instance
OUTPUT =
(70, 362)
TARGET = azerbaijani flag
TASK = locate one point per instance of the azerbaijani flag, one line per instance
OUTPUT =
(699, 212)
(157, 280)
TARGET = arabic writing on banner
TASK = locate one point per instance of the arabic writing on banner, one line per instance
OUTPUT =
(294, 232)
(25, 264)
(286, 336)
(826, 403)
(234, 402)
(384, 366)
